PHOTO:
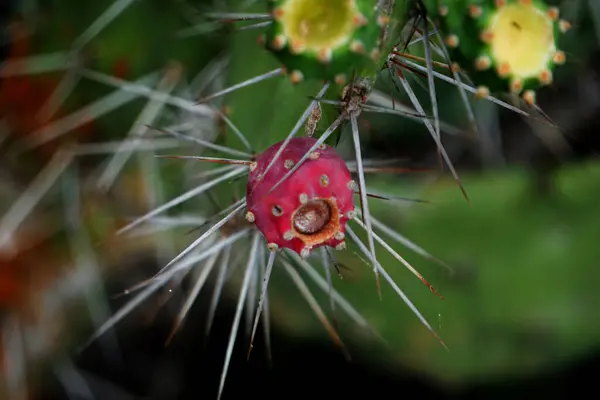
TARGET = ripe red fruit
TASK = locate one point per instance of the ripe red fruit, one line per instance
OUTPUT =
(311, 207)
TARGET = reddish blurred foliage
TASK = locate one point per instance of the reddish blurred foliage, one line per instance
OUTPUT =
(23, 96)
(28, 263)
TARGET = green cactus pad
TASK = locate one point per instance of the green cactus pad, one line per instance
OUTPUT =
(329, 40)
(504, 45)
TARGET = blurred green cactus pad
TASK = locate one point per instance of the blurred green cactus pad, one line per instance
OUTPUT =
(504, 45)
(326, 40)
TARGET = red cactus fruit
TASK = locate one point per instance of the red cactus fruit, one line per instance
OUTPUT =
(311, 207)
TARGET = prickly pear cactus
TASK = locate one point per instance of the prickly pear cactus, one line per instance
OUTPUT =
(166, 100)
(504, 45)
(308, 210)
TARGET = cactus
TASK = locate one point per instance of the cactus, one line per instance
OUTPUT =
(258, 114)
(507, 46)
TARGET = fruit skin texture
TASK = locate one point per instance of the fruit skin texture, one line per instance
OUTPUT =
(320, 179)
(504, 46)
(328, 40)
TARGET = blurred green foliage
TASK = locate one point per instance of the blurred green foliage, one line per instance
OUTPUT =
(522, 297)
